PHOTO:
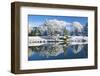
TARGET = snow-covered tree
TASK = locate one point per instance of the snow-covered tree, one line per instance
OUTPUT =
(85, 30)
(55, 26)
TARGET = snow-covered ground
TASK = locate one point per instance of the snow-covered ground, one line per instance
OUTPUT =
(73, 40)
(40, 40)
(78, 38)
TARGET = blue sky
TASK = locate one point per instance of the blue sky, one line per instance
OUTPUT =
(36, 20)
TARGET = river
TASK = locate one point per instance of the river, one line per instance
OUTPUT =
(56, 50)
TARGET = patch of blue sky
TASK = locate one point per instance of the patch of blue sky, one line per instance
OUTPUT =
(38, 20)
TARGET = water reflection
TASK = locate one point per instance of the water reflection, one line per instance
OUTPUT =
(50, 51)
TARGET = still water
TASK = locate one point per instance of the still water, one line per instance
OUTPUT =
(52, 51)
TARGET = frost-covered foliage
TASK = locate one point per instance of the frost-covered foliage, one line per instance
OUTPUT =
(55, 27)
(78, 26)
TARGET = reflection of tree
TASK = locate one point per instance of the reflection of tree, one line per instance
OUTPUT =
(86, 49)
(54, 50)
(30, 52)
(49, 50)
(77, 48)
(65, 48)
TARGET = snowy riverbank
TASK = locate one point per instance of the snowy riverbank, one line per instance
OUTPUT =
(40, 40)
